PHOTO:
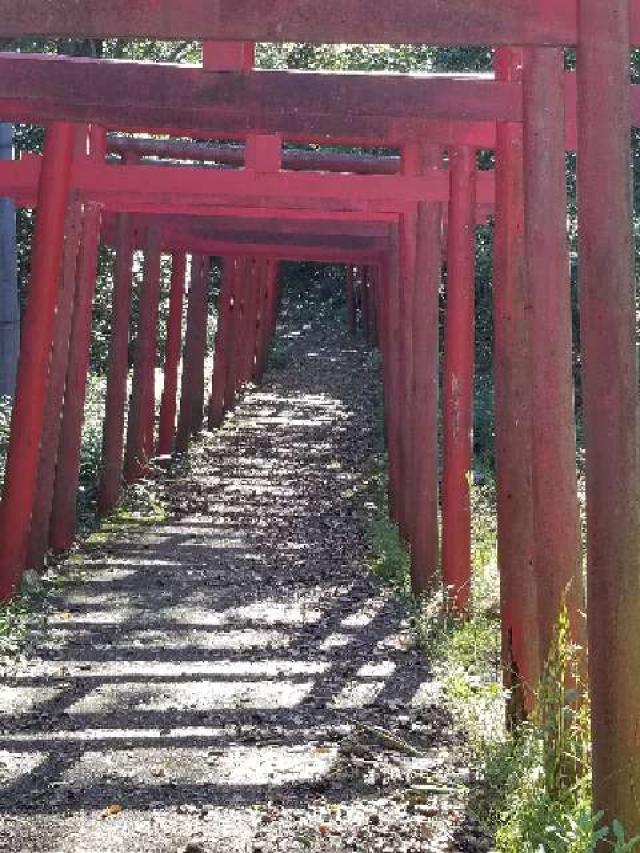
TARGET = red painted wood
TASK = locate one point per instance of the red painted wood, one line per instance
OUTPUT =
(234, 155)
(228, 55)
(249, 336)
(458, 380)
(263, 152)
(142, 402)
(202, 191)
(277, 224)
(424, 413)
(262, 325)
(497, 22)
(392, 108)
(199, 345)
(110, 486)
(519, 612)
(392, 378)
(236, 328)
(43, 501)
(168, 406)
(223, 345)
(556, 519)
(64, 512)
(192, 376)
(27, 422)
(610, 380)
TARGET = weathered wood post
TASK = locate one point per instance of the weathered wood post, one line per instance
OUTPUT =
(554, 476)
(392, 396)
(424, 412)
(142, 401)
(235, 328)
(64, 511)
(458, 379)
(192, 393)
(223, 345)
(519, 611)
(199, 345)
(242, 296)
(262, 345)
(169, 404)
(251, 319)
(610, 383)
(110, 486)
(27, 420)
(43, 499)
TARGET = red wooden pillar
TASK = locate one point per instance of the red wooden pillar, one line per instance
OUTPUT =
(27, 420)
(458, 380)
(252, 312)
(262, 345)
(610, 381)
(351, 299)
(118, 371)
(408, 508)
(554, 476)
(424, 412)
(407, 517)
(274, 297)
(392, 376)
(43, 500)
(168, 406)
(192, 371)
(142, 403)
(223, 345)
(235, 330)
(199, 345)
(64, 510)
(521, 659)
(240, 322)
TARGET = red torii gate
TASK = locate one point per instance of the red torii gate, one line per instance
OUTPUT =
(538, 542)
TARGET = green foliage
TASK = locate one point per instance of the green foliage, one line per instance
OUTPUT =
(535, 795)
(19, 615)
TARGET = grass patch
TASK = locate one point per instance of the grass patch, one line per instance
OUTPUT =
(535, 790)
(142, 506)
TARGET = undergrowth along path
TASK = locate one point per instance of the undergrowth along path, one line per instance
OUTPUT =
(233, 678)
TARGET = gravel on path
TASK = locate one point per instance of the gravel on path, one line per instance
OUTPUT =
(234, 679)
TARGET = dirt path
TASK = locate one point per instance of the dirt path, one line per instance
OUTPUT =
(233, 679)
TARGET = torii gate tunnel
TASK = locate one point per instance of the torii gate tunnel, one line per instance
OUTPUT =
(384, 217)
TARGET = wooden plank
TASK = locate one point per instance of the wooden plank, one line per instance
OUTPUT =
(216, 226)
(351, 109)
(453, 22)
(197, 190)
(316, 106)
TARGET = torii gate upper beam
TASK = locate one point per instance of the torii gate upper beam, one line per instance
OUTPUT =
(387, 110)
(453, 22)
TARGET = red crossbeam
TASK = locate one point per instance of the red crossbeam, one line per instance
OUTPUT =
(191, 189)
(466, 22)
(346, 108)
